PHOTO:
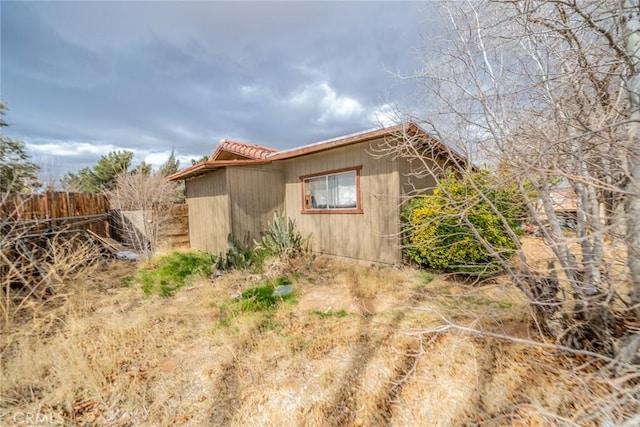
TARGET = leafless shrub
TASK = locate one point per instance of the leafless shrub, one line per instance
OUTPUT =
(545, 93)
(143, 204)
(537, 91)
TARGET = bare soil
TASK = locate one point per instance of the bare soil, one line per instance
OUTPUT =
(361, 345)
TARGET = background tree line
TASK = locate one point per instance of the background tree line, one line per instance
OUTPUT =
(103, 175)
(19, 173)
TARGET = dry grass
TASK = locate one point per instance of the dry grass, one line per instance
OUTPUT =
(348, 352)
(539, 254)
(616, 282)
(38, 305)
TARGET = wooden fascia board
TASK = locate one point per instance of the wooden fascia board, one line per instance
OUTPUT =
(204, 167)
(411, 128)
(316, 148)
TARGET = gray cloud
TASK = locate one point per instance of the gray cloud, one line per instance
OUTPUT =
(149, 76)
(35, 50)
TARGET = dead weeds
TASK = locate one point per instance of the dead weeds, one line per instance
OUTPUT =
(349, 352)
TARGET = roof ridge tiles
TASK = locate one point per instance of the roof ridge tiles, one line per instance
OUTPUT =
(251, 151)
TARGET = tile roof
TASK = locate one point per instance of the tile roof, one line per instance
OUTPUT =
(250, 151)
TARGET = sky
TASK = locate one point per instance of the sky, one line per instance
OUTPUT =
(81, 79)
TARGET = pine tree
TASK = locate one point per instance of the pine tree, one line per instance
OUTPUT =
(102, 177)
(17, 172)
(170, 166)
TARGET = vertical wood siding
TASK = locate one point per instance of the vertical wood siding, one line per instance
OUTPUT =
(256, 193)
(241, 200)
(412, 185)
(372, 235)
(209, 211)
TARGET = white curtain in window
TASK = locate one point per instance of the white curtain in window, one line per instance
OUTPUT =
(318, 189)
(342, 190)
(333, 191)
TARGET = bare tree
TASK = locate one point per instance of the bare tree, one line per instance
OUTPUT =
(144, 205)
(631, 19)
(549, 91)
(546, 93)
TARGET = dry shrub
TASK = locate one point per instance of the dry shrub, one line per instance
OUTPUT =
(144, 209)
(28, 293)
(109, 345)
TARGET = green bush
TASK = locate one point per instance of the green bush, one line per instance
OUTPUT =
(282, 238)
(171, 272)
(436, 233)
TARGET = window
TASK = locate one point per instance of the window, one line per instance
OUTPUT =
(335, 191)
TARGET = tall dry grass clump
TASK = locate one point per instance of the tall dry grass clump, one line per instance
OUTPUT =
(27, 291)
(35, 269)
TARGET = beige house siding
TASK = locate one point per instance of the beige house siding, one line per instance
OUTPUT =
(371, 235)
(239, 188)
(412, 184)
(256, 193)
(209, 220)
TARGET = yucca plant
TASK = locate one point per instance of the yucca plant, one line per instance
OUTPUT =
(282, 238)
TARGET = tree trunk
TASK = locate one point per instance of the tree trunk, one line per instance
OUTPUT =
(632, 39)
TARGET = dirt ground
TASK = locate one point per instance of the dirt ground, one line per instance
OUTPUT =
(358, 346)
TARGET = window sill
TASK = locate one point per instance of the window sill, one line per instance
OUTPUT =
(331, 211)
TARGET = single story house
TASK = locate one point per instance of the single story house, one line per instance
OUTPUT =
(341, 192)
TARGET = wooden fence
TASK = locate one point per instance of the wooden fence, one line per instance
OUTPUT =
(55, 209)
(166, 227)
(58, 210)
(52, 205)
(176, 232)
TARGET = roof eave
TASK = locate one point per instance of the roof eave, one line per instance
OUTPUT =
(341, 142)
(409, 127)
(208, 166)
